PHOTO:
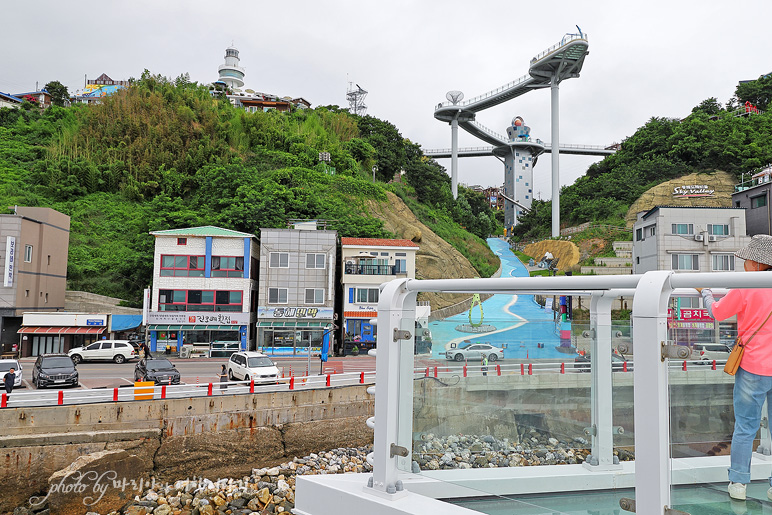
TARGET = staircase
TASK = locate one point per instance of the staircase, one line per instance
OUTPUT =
(620, 265)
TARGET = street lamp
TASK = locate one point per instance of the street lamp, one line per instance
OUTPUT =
(375, 167)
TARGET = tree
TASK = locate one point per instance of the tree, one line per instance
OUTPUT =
(708, 106)
(757, 92)
(58, 92)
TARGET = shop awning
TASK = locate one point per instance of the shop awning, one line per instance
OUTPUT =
(62, 330)
(294, 324)
(125, 322)
(194, 327)
(360, 314)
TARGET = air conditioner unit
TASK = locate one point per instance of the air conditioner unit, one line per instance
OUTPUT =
(711, 238)
(698, 237)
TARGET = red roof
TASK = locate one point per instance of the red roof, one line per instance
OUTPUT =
(61, 330)
(378, 242)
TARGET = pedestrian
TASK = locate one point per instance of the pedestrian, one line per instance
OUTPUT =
(9, 379)
(484, 364)
(753, 381)
(145, 350)
(223, 379)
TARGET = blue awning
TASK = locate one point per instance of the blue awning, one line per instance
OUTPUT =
(125, 322)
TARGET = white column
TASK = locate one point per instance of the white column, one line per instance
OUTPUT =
(454, 156)
(650, 390)
(555, 156)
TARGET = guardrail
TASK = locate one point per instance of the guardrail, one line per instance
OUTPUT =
(19, 399)
(566, 40)
(489, 94)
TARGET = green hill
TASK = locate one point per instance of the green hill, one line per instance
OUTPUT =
(165, 154)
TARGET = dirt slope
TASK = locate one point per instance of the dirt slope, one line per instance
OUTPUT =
(567, 253)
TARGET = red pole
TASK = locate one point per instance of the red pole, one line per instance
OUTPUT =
(435, 372)
(562, 368)
(252, 386)
(530, 369)
(464, 369)
(4, 401)
(292, 382)
(684, 366)
(163, 392)
(209, 390)
(60, 400)
(624, 366)
(362, 377)
(328, 379)
(714, 364)
(427, 371)
(498, 369)
(522, 369)
(115, 394)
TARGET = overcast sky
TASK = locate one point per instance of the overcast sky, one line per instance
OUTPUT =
(653, 58)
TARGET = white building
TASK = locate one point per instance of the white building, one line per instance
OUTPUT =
(204, 283)
(367, 263)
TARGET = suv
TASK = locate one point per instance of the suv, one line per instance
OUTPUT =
(158, 370)
(54, 370)
(114, 350)
(247, 365)
(5, 367)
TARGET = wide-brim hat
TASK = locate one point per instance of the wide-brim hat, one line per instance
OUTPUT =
(759, 249)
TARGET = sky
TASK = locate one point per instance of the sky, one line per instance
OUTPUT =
(653, 58)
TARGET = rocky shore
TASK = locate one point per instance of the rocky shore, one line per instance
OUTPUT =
(272, 490)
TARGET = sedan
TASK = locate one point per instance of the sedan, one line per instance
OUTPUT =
(474, 351)
(158, 370)
(582, 363)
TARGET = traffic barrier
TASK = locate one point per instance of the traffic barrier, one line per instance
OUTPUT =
(624, 366)
(209, 389)
(562, 368)
(435, 372)
(292, 382)
(498, 369)
(427, 372)
(361, 378)
(328, 379)
(115, 394)
(530, 369)
(522, 369)
(60, 400)
(252, 386)
(684, 367)
(4, 401)
(163, 391)
(464, 369)
(714, 365)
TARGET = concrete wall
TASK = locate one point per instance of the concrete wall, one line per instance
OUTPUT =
(213, 437)
(85, 302)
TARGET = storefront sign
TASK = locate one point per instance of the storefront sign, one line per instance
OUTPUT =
(367, 308)
(295, 312)
(692, 190)
(691, 315)
(678, 324)
(10, 257)
(90, 321)
(189, 318)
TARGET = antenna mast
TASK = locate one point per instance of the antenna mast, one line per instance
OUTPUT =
(356, 99)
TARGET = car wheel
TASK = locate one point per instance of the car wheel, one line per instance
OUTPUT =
(76, 358)
(459, 357)
(230, 375)
(119, 358)
(492, 358)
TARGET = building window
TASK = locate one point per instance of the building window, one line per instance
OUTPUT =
(182, 266)
(683, 228)
(171, 300)
(759, 201)
(314, 295)
(199, 300)
(367, 294)
(400, 266)
(686, 262)
(718, 229)
(315, 260)
(651, 230)
(28, 253)
(638, 234)
(182, 241)
(279, 260)
(723, 262)
(224, 266)
(277, 295)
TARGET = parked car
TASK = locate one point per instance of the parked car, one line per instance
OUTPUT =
(54, 370)
(5, 367)
(119, 351)
(707, 352)
(582, 363)
(249, 365)
(473, 351)
(158, 370)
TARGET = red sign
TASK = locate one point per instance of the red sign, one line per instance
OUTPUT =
(693, 315)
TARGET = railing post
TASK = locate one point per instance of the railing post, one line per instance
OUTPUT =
(530, 369)
(328, 379)
(435, 372)
(464, 369)
(562, 368)
(60, 399)
(522, 369)
(115, 394)
(209, 389)
(251, 386)
(362, 377)
(4, 401)
(498, 369)
(684, 366)
(427, 372)
(163, 391)
(714, 365)
(292, 382)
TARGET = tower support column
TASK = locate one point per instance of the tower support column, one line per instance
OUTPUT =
(555, 105)
(454, 156)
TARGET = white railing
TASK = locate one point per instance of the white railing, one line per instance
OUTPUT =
(431, 152)
(568, 38)
(488, 131)
(19, 399)
(484, 96)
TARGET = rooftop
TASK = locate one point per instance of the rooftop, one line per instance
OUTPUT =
(206, 230)
(378, 242)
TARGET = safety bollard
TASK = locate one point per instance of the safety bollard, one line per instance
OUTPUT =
(427, 372)
(714, 364)
(530, 369)
(60, 400)
(435, 372)
(115, 394)
(292, 382)
(464, 369)
(522, 369)
(209, 390)
(328, 379)
(362, 378)
(498, 369)
(163, 392)
(252, 386)
(624, 366)
(684, 366)
(562, 368)
(4, 401)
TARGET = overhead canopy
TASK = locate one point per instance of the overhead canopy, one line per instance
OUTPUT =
(125, 322)
(193, 327)
(62, 330)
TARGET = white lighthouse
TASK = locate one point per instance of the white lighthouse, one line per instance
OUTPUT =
(231, 73)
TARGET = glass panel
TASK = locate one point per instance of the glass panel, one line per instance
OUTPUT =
(180, 261)
(167, 261)
(207, 297)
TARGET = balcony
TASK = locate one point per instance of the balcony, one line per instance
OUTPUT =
(363, 269)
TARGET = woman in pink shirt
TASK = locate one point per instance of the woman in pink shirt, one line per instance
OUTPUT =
(753, 382)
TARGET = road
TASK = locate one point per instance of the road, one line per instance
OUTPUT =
(198, 370)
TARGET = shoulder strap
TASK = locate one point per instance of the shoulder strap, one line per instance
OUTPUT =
(759, 329)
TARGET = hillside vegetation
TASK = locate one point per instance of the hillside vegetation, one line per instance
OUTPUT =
(712, 138)
(164, 154)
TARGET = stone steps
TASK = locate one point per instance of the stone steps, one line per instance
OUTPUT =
(614, 261)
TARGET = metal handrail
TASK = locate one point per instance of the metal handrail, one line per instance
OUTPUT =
(563, 42)
(488, 131)
(429, 152)
(509, 85)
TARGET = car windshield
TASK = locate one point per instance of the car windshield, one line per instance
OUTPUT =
(262, 361)
(5, 367)
(57, 363)
(159, 364)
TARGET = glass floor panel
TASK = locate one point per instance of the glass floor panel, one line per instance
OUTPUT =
(707, 499)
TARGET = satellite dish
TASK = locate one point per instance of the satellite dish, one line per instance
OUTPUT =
(454, 96)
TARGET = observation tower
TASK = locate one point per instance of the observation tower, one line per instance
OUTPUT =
(519, 156)
(231, 73)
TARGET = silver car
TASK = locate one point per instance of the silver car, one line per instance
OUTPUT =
(474, 351)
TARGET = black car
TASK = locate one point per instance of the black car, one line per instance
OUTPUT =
(158, 370)
(582, 363)
(54, 370)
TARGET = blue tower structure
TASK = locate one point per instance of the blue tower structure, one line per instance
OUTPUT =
(519, 156)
